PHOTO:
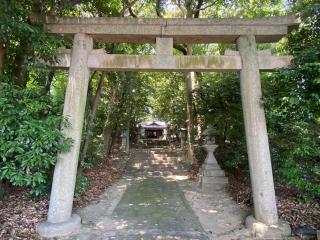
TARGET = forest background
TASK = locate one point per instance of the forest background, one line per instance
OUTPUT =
(31, 94)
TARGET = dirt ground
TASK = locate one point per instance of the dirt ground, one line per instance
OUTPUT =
(19, 214)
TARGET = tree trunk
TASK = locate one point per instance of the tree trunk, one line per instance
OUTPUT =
(191, 81)
(47, 87)
(199, 127)
(18, 70)
(94, 106)
(112, 142)
(106, 140)
(189, 85)
(4, 188)
(106, 129)
(2, 54)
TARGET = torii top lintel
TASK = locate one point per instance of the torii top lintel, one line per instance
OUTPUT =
(146, 30)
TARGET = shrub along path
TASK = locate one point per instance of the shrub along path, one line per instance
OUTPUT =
(19, 214)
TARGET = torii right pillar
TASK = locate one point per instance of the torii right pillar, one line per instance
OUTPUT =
(265, 222)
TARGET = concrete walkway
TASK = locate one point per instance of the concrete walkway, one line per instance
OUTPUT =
(154, 200)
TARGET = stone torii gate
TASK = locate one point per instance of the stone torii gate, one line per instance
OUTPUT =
(165, 32)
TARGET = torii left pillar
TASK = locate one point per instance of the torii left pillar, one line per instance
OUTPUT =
(60, 220)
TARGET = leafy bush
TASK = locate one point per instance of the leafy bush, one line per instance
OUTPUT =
(232, 157)
(30, 137)
(200, 154)
(82, 183)
(292, 106)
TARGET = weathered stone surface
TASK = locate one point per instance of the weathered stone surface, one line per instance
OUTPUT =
(256, 134)
(212, 178)
(211, 166)
(274, 231)
(142, 206)
(61, 198)
(210, 188)
(213, 173)
(164, 46)
(49, 230)
(145, 30)
(160, 206)
(98, 60)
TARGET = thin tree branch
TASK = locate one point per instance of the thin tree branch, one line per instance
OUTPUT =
(207, 6)
(196, 13)
(132, 13)
(127, 6)
(180, 48)
(158, 8)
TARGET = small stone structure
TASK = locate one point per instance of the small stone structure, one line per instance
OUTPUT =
(212, 178)
(183, 136)
(125, 140)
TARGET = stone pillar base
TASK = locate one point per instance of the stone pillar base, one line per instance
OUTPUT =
(212, 178)
(263, 231)
(49, 230)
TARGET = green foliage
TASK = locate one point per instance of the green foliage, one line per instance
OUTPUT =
(219, 101)
(82, 183)
(292, 102)
(200, 154)
(232, 156)
(30, 137)
(25, 43)
(30, 117)
(168, 98)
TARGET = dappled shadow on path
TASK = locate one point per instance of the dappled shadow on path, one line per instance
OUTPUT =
(153, 201)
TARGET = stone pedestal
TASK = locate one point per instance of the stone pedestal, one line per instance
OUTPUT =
(183, 135)
(50, 230)
(212, 178)
(125, 141)
(263, 231)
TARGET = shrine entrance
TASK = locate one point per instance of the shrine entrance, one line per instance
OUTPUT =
(165, 33)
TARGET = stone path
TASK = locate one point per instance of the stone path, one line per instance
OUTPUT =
(155, 200)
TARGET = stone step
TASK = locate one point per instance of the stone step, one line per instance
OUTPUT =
(213, 173)
(211, 188)
(141, 156)
(165, 158)
(215, 180)
(164, 154)
(160, 173)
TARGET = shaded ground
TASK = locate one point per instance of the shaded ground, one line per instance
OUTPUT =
(155, 203)
(290, 209)
(19, 214)
(219, 216)
(157, 207)
(146, 204)
(155, 200)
